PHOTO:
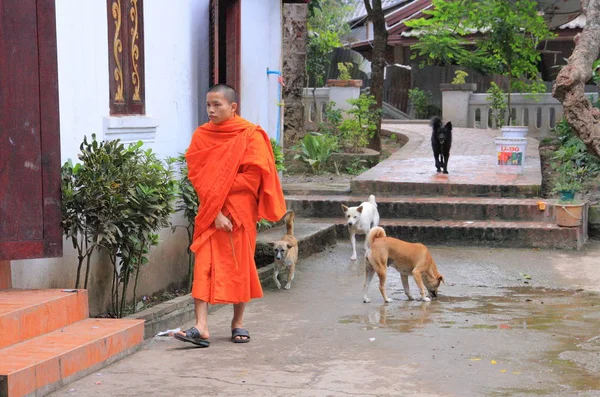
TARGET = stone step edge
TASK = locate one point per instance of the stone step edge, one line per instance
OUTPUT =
(397, 199)
(432, 223)
(47, 379)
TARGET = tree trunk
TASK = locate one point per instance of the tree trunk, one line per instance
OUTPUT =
(569, 88)
(378, 62)
(294, 64)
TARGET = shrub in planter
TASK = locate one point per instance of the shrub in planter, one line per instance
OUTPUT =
(128, 195)
(187, 202)
(361, 125)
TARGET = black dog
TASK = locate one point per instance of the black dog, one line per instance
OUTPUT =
(441, 140)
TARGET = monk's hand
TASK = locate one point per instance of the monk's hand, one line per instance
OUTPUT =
(223, 223)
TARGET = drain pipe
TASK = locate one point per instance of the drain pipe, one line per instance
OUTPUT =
(279, 104)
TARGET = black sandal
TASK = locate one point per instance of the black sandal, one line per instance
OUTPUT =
(192, 335)
(244, 336)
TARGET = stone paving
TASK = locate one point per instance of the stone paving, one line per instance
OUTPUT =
(472, 160)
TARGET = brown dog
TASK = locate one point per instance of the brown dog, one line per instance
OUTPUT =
(406, 258)
(286, 252)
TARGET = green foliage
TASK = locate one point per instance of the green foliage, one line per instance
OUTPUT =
(459, 77)
(357, 167)
(77, 216)
(420, 101)
(263, 225)
(128, 197)
(332, 119)
(572, 162)
(326, 25)
(361, 123)
(278, 154)
(344, 69)
(498, 104)
(512, 31)
(187, 201)
(316, 150)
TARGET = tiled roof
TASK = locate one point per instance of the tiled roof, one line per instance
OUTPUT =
(359, 11)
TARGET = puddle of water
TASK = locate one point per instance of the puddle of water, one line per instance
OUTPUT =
(570, 319)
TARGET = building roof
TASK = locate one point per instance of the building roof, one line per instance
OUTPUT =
(359, 11)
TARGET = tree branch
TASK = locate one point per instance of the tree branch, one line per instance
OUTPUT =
(368, 7)
(569, 88)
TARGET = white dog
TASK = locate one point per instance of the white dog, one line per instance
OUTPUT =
(360, 220)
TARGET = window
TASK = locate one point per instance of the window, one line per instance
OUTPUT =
(126, 57)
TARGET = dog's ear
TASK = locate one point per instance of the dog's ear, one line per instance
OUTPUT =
(344, 208)
(289, 245)
(441, 279)
(359, 209)
(271, 243)
(449, 125)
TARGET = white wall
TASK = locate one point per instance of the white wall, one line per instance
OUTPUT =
(261, 49)
(176, 75)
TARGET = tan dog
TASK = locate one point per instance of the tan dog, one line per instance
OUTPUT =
(407, 258)
(286, 252)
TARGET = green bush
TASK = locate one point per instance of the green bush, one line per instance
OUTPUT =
(278, 154)
(498, 104)
(122, 197)
(361, 123)
(459, 77)
(420, 101)
(344, 68)
(316, 150)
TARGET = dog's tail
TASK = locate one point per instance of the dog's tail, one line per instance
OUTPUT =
(372, 201)
(289, 223)
(436, 123)
(375, 233)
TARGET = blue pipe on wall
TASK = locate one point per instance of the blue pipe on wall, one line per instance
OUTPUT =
(279, 104)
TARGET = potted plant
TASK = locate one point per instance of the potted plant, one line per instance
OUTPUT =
(568, 210)
(344, 77)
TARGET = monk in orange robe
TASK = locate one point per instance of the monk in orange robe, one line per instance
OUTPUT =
(232, 168)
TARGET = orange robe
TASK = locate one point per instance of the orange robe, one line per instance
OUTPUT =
(232, 168)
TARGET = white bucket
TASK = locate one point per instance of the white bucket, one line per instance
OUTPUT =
(510, 155)
(519, 131)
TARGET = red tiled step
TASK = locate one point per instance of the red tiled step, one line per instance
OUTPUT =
(477, 233)
(25, 314)
(45, 363)
(439, 208)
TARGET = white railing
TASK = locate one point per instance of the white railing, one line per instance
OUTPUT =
(540, 112)
(312, 113)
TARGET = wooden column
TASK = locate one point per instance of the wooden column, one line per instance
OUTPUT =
(5, 275)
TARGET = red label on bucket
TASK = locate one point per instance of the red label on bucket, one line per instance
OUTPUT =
(510, 149)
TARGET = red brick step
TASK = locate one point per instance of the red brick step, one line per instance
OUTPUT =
(25, 314)
(45, 363)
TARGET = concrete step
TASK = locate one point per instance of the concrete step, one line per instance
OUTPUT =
(434, 208)
(45, 363)
(366, 185)
(316, 188)
(25, 314)
(312, 237)
(477, 233)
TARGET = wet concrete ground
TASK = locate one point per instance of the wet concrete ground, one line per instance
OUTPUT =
(507, 323)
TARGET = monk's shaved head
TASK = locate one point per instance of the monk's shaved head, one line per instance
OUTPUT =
(227, 91)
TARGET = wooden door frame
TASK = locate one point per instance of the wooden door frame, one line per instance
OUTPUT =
(232, 10)
(51, 243)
